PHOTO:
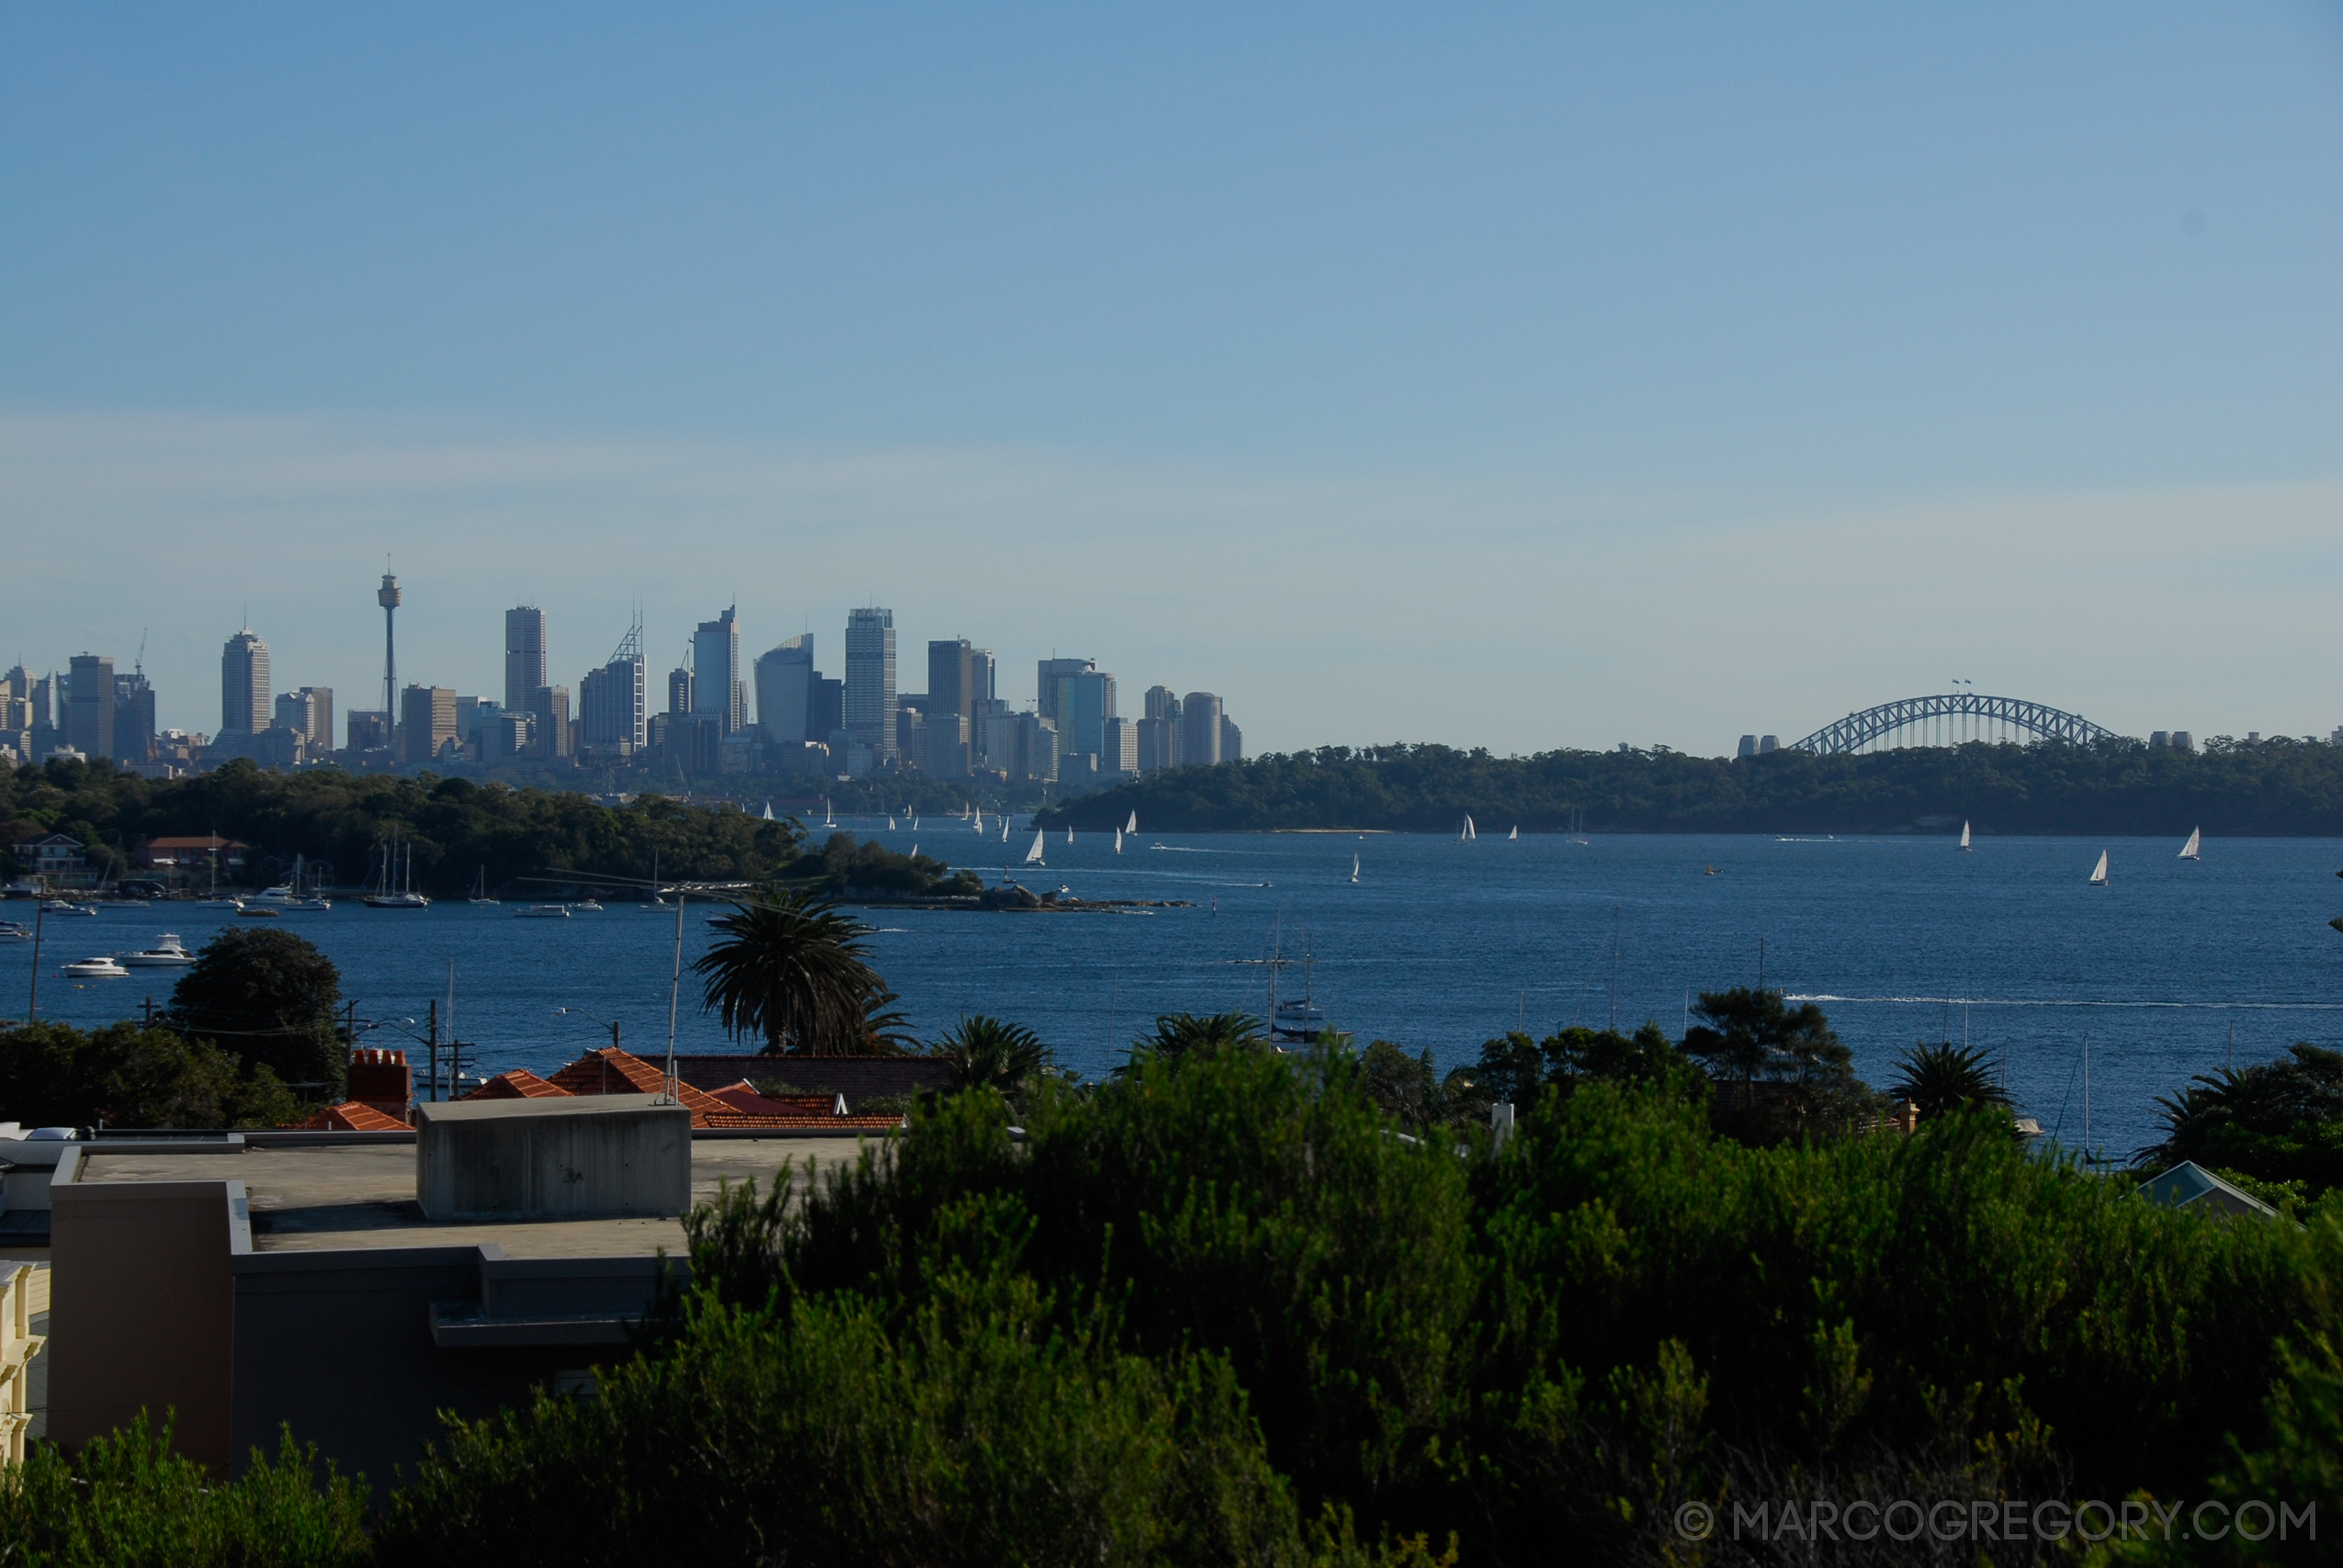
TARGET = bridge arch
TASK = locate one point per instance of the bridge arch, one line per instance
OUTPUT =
(1949, 720)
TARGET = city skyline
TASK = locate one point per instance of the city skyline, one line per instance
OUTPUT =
(1567, 380)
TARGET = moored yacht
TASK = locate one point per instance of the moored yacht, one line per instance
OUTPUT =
(168, 952)
(98, 968)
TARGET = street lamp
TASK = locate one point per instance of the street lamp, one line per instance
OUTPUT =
(610, 1024)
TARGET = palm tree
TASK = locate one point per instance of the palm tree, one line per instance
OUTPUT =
(1943, 1079)
(986, 1051)
(789, 968)
(1179, 1035)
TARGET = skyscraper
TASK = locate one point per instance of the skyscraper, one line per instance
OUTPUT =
(243, 685)
(718, 692)
(1199, 729)
(870, 680)
(1232, 741)
(523, 655)
(133, 717)
(426, 722)
(679, 693)
(951, 707)
(89, 707)
(784, 691)
(612, 711)
(1047, 675)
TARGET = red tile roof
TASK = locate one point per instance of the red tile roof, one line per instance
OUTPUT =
(519, 1083)
(350, 1116)
(613, 1071)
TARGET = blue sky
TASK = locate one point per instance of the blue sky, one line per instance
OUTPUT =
(1518, 376)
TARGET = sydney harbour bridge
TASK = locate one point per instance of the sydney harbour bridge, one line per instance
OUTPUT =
(1950, 719)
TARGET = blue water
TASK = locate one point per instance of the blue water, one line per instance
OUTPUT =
(1442, 944)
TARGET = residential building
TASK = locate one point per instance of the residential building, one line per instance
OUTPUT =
(679, 691)
(1158, 744)
(870, 681)
(718, 691)
(89, 706)
(785, 677)
(523, 655)
(426, 723)
(57, 861)
(1232, 741)
(243, 685)
(1199, 729)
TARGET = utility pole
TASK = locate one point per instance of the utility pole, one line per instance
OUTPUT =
(433, 1037)
(40, 905)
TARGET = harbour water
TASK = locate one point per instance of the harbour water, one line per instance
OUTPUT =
(2164, 971)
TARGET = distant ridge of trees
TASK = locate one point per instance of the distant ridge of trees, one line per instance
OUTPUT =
(456, 829)
(2276, 787)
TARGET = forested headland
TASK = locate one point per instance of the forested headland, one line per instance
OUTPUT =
(457, 831)
(2280, 787)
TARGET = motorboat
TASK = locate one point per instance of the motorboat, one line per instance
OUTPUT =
(11, 930)
(229, 904)
(167, 952)
(588, 905)
(285, 901)
(100, 968)
(542, 912)
(66, 907)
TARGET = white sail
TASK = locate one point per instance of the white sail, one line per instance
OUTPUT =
(1514, 836)
(1004, 827)
(1069, 832)
(768, 811)
(890, 824)
(1468, 835)
(2188, 850)
(1354, 870)
(1133, 825)
(915, 848)
(980, 821)
(915, 824)
(1118, 841)
(1033, 855)
(2099, 872)
(1965, 835)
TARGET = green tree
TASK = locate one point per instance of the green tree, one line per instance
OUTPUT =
(52, 1075)
(2278, 1121)
(789, 969)
(1946, 1078)
(988, 1053)
(1180, 1036)
(1748, 1034)
(269, 997)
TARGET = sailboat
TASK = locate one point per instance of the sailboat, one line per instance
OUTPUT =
(1004, 827)
(1133, 825)
(1033, 855)
(1514, 836)
(2188, 850)
(768, 811)
(890, 824)
(915, 824)
(1965, 835)
(1118, 841)
(829, 818)
(397, 892)
(979, 819)
(2099, 872)
(480, 889)
(915, 848)
(1069, 832)
(1578, 826)
(1354, 871)
(1468, 835)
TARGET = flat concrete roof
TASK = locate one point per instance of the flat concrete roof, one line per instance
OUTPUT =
(307, 1197)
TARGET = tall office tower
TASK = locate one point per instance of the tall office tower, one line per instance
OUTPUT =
(370, 730)
(1199, 729)
(1047, 675)
(45, 696)
(870, 680)
(89, 707)
(825, 708)
(134, 718)
(243, 685)
(1032, 748)
(1157, 741)
(1085, 702)
(982, 670)
(718, 692)
(550, 705)
(951, 708)
(426, 722)
(679, 691)
(785, 690)
(611, 712)
(388, 597)
(321, 714)
(1118, 749)
(1161, 704)
(523, 655)
(1232, 741)
(991, 735)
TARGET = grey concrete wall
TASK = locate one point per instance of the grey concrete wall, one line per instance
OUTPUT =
(141, 1310)
(594, 1156)
(338, 1345)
